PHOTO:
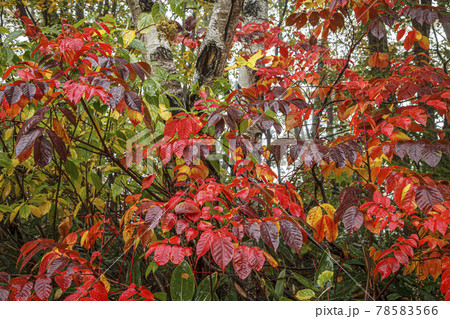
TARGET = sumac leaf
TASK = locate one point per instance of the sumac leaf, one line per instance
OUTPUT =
(427, 196)
(162, 254)
(431, 154)
(63, 281)
(70, 116)
(4, 293)
(153, 216)
(292, 235)
(12, 94)
(116, 95)
(29, 124)
(253, 231)
(28, 89)
(269, 234)
(414, 150)
(204, 243)
(43, 152)
(27, 141)
(190, 23)
(222, 251)
(187, 208)
(43, 288)
(353, 219)
(58, 144)
(256, 258)
(241, 262)
(133, 101)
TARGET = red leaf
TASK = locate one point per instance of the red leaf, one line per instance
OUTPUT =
(162, 254)
(353, 219)
(401, 257)
(387, 266)
(222, 251)
(187, 208)
(177, 255)
(292, 235)
(153, 216)
(133, 101)
(204, 242)
(27, 141)
(128, 293)
(241, 262)
(180, 226)
(427, 196)
(43, 288)
(256, 258)
(12, 94)
(64, 281)
(43, 152)
(269, 234)
(148, 181)
(191, 234)
(167, 222)
(253, 230)
(20, 288)
(184, 128)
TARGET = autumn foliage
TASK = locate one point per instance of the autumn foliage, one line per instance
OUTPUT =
(202, 201)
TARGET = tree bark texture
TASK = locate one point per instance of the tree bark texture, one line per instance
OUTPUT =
(216, 45)
(158, 51)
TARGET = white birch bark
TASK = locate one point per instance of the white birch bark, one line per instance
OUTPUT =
(158, 51)
(216, 45)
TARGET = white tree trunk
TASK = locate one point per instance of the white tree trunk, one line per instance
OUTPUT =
(158, 51)
(254, 11)
(216, 45)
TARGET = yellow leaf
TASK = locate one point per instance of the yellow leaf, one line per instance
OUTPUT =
(164, 113)
(240, 61)
(330, 210)
(128, 232)
(128, 36)
(36, 211)
(6, 191)
(270, 259)
(105, 282)
(99, 203)
(8, 133)
(314, 215)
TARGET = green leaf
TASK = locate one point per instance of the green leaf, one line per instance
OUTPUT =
(12, 36)
(4, 30)
(144, 21)
(158, 11)
(151, 269)
(72, 170)
(324, 277)
(305, 294)
(279, 286)
(305, 282)
(203, 292)
(5, 161)
(24, 211)
(160, 296)
(326, 263)
(182, 284)
(76, 25)
(96, 181)
(177, 7)
(137, 44)
(6, 209)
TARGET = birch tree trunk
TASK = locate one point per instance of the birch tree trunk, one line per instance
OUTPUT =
(254, 11)
(158, 51)
(216, 45)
